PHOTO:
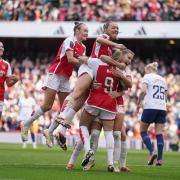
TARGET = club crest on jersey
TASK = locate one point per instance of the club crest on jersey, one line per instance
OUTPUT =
(71, 45)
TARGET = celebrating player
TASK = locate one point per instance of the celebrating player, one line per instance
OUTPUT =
(5, 77)
(126, 57)
(102, 46)
(154, 89)
(100, 104)
(59, 72)
(120, 149)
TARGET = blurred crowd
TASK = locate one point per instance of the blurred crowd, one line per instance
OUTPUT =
(90, 10)
(32, 73)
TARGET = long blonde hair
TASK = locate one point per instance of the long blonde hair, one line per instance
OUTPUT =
(152, 66)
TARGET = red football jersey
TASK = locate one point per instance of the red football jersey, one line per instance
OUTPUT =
(100, 97)
(5, 71)
(99, 49)
(127, 73)
(60, 64)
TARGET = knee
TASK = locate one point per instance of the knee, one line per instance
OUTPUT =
(46, 107)
(123, 136)
(116, 134)
(95, 133)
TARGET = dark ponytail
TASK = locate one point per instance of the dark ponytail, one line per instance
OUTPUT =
(77, 26)
(106, 25)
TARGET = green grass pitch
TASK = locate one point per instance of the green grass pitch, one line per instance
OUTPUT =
(49, 164)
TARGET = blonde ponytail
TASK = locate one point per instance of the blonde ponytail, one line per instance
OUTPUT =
(116, 53)
(153, 66)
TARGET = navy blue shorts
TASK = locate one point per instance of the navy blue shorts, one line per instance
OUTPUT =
(153, 116)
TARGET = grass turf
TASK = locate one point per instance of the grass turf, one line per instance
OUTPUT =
(49, 164)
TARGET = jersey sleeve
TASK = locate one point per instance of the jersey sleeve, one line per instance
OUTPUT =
(9, 71)
(69, 44)
(145, 79)
(105, 36)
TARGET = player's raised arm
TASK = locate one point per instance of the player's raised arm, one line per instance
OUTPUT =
(107, 42)
(111, 61)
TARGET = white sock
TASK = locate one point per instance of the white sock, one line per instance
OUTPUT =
(63, 131)
(68, 115)
(35, 115)
(66, 106)
(117, 145)
(85, 138)
(109, 146)
(77, 149)
(94, 141)
(123, 154)
(53, 126)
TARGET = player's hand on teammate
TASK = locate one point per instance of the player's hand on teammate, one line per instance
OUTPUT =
(115, 94)
(120, 46)
(117, 73)
(96, 85)
(121, 66)
(83, 59)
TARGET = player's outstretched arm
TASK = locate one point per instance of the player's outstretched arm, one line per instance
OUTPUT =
(107, 42)
(111, 61)
(11, 80)
(72, 59)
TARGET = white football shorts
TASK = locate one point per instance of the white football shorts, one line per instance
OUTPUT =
(57, 82)
(85, 69)
(100, 113)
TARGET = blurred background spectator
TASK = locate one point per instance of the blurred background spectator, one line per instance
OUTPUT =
(89, 10)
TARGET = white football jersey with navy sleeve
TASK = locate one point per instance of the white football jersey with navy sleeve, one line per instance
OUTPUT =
(155, 96)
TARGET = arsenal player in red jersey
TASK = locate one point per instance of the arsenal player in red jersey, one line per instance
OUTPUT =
(5, 77)
(102, 46)
(59, 72)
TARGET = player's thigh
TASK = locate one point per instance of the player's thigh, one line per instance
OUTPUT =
(159, 128)
(96, 124)
(49, 96)
(82, 85)
(62, 96)
(86, 119)
(118, 122)
(123, 133)
(107, 124)
(81, 100)
(143, 126)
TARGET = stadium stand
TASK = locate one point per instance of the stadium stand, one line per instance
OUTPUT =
(89, 10)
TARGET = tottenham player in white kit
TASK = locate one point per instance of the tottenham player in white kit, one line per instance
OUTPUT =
(26, 106)
(153, 92)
